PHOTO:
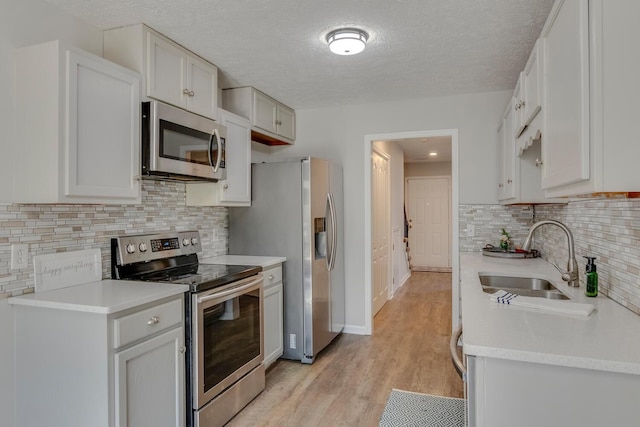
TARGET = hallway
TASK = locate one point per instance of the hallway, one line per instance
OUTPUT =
(350, 381)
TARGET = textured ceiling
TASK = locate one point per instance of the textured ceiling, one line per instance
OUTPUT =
(417, 48)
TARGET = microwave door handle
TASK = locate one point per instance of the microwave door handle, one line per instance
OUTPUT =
(216, 136)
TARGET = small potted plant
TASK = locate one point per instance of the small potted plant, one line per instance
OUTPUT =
(505, 239)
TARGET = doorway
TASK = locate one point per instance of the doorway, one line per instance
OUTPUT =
(368, 217)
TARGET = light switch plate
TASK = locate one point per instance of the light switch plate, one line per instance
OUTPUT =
(19, 256)
(471, 230)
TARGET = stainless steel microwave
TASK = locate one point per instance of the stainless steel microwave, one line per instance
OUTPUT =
(177, 144)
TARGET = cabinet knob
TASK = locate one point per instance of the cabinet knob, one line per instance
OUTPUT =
(500, 185)
(271, 277)
(539, 162)
(185, 92)
(509, 181)
(182, 349)
(154, 320)
(225, 186)
(191, 93)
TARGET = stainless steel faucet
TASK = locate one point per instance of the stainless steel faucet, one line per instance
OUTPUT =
(571, 275)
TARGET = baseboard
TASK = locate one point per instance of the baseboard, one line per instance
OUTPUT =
(404, 279)
(432, 269)
(355, 330)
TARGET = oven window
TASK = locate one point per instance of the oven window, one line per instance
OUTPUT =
(231, 336)
(185, 144)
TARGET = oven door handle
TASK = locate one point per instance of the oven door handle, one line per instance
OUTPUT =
(230, 291)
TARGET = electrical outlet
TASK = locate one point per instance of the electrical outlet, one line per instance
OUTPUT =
(19, 256)
(292, 341)
(471, 230)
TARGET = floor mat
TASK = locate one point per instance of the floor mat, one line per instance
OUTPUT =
(408, 409)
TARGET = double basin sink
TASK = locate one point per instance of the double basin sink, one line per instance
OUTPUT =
(525, 286)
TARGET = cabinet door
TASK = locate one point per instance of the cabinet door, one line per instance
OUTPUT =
(102, 147)
(149, 382)
(500, 160)
(565, 148)
(166, 68)
(509, 155)
(518, 107)
(264, 112)
(273, 322)
(532, 86)
(236, 188)
(286, 122)
(202, 83)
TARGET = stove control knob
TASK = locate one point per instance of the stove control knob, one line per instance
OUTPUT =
(142, 247)
(131, 248)
(185, 242)
(194, 241)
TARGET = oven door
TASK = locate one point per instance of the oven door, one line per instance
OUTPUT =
(227, 336)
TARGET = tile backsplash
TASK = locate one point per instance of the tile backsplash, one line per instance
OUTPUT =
(60, 228)
(608, 229)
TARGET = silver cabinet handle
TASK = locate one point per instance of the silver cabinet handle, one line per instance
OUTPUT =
(154, 320)
(271, 277)
(182, 349)
(185, 92)
(539, 162)
(225, 187)
(453, 351)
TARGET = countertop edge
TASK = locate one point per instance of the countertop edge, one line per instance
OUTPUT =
(40, 301)
(262, 261)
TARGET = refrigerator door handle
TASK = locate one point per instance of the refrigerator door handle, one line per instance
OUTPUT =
(331, 259)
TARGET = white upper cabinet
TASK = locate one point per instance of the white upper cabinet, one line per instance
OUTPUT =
(172, 73)
(590, 98)
(527, 96)
(507, 169)
(236, 189)
(77, 126)
(566, 95)
(532, 85)
(273, 122)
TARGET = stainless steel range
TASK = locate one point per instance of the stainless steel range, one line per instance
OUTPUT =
(224, 319)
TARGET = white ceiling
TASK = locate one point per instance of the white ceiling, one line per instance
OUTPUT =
(417, 48)
(416, 150)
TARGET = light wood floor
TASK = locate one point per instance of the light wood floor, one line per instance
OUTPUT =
(350, 380)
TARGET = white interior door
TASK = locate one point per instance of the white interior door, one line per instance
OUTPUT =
(429, 222)
(380, 229)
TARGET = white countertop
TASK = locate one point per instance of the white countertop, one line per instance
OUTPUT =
(102, 297)
(262, 261)
(606, 340)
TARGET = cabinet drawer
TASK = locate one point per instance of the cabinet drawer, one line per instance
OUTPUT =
(135, 326)
(272, 276)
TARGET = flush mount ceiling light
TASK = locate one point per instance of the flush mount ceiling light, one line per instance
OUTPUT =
(433, 154)
(347, 41)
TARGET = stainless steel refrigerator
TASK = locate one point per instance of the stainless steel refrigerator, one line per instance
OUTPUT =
(296, 212)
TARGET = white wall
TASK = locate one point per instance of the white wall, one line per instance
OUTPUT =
(427, 169)
(337, 133)
(23, 23)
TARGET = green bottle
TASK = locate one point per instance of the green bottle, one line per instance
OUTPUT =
(592, 278)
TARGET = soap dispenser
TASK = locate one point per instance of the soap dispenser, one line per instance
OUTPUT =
(592, 277)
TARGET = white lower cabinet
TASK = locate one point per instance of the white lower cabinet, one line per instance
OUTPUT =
(273, 314)
(88, 369)
(506, 393)
(77, 128)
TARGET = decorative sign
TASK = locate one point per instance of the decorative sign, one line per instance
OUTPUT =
(64, 269)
